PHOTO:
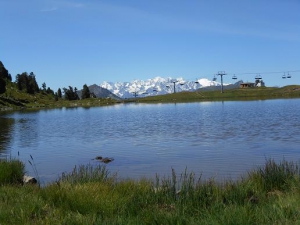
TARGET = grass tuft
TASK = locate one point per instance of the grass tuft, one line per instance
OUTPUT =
(11, 171)
(36, 174)
(85, 174)
(276, 176)
(90, 195)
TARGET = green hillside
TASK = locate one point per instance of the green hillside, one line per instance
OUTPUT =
(14, 99)
(24, 92)
(292, 91)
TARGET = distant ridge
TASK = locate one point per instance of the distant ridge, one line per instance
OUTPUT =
(157, 86)
(226, 87)
(100, 92)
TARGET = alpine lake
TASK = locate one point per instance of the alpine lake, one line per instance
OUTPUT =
(219, 140)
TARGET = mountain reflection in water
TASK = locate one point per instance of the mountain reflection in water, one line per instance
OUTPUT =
(215, 139)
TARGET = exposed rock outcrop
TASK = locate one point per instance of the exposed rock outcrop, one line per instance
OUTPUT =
(29, 180)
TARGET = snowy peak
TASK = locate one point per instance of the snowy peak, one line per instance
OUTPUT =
(155, 86)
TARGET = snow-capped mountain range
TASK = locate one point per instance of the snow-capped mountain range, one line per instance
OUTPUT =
(156, 86)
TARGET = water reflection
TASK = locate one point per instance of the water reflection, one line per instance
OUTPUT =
(6, 137)
(26, 132)
(213, 138)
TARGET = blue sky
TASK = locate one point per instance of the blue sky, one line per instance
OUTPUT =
(68, 42)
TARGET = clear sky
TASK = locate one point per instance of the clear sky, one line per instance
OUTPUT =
(69, 42)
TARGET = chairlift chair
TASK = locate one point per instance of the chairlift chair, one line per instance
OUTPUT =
(283, 76)
(258, 77)
(288, 76)
(234, 77)
(214, 79)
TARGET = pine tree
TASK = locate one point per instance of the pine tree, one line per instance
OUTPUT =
(85, 92)
(59, 95)
(56, 96)
(44, 86)
(71, 94)
(4, 72)
(2, 86)
(4, 76)
(27, 82)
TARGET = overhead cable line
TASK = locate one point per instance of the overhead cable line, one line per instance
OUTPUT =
(289, 71)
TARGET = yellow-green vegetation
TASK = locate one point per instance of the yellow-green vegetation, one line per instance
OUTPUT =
(16, 99)
(11, 172)
(291, 91)
(25, 93)
(91, 195)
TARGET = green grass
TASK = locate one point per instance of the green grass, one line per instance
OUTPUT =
(91, 195)
(85, 174)
(11, 172)
(15, 99)
(292, 91)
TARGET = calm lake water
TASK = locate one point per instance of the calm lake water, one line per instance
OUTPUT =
(215, 139)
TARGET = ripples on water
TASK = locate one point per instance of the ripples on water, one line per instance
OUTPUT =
(217, 139)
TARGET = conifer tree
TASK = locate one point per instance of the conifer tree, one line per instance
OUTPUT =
(4, 76)
(44, 86)
(85, 92)
(71, 94)
(59, 95)
(2, 86)
(27, 82)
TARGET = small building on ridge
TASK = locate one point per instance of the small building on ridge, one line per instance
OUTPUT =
(247, 85)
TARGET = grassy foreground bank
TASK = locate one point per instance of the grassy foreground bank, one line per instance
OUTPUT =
(91, 195)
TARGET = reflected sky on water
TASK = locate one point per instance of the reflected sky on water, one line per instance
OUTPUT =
(215, 139)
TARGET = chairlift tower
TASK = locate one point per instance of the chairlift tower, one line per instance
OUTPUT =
(221, 73)
(174, 81)
(135, 93)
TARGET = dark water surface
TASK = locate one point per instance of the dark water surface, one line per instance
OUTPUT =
(217, 139)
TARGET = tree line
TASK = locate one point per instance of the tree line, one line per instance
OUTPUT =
(4, 78)
(27, 83)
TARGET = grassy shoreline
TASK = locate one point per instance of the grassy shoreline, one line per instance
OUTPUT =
(262, 93)
(91, 195)
(16, 100)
